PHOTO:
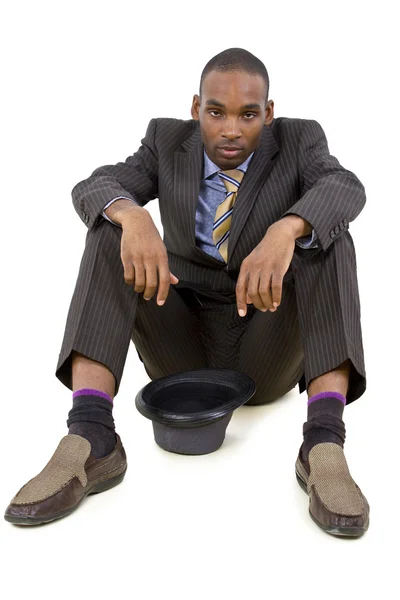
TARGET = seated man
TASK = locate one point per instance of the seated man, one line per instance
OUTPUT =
(255, 213)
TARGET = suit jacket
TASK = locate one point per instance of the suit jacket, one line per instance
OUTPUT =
(291, 172)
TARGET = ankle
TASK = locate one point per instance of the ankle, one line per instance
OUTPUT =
(324, 422)
(91, 418)
(101, 439)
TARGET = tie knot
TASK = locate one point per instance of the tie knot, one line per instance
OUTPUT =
(232, 179)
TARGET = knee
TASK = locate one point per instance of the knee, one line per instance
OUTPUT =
(104, 233)
(104, 238)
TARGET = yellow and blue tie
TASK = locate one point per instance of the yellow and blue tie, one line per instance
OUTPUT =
(223, 217)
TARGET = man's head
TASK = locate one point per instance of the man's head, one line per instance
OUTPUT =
(233, 106)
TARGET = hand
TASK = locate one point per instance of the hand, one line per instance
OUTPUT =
(144, 255)
(262, 272)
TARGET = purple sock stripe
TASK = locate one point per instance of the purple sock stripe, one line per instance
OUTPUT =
(326, 395)
(89, 391)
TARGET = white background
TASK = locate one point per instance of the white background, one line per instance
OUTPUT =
(80, 81)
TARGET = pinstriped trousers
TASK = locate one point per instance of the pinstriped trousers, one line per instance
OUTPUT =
(315, 329)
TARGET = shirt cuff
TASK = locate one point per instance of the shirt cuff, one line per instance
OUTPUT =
(308, 241)
(109, 204)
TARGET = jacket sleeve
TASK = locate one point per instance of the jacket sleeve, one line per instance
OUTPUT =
(135, 179)
(330, 196)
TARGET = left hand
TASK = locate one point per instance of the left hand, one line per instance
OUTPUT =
(262, 271)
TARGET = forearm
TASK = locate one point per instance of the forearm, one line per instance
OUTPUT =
(136, 179)
(330, 195)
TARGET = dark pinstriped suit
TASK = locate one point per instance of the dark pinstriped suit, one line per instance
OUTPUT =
(317, 325)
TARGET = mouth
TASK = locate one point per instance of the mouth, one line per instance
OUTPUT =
(229, 151)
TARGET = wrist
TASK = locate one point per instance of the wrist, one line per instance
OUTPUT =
(123, 209)
(296, 226)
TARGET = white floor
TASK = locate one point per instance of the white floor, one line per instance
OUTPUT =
(233, 524)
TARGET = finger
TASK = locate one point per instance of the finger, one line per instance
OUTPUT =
(151, 280)
(276, 289)
(129, 269)
(173, 278)
(164, 280)
(254, 291)
(129, 272)
(265, 292)
(248, 299)
(241, 292)
(139, 279)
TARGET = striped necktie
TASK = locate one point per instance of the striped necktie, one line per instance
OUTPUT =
(223, 216)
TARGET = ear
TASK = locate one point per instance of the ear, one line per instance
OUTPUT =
(269, 112)
(195, 111)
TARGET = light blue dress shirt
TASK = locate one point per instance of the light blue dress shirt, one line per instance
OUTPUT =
(212, 193)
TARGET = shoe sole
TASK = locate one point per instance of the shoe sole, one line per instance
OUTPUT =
(352, 532)
(96, 489)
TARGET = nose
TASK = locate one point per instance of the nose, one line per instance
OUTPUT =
(231, 130)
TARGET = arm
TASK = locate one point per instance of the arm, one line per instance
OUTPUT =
(136, 179)
(330, 196)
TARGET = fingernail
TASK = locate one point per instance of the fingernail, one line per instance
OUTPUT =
(276, 304)
(241, 312)
(146, 298)
(160, 302)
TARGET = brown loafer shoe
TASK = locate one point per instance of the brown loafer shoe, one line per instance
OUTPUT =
(71, 474)
(337, 504)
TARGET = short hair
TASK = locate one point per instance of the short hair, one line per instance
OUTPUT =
(236, 59)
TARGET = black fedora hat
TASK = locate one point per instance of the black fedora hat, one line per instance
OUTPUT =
(191, 410)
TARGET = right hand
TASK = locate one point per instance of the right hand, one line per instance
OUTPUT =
(144, 255)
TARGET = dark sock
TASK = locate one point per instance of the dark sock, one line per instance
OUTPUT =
(91, 418)
(324, 422)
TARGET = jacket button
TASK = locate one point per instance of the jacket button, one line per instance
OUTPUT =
(341, 226)
(332, 234)
(337, 230)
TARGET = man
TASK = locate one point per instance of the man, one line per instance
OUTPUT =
(256, 273)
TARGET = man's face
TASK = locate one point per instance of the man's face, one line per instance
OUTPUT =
(232, 112)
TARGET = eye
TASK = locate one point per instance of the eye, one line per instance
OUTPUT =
(216, 113)
(249, 116)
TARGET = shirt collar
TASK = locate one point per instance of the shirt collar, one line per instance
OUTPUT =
(211, 168)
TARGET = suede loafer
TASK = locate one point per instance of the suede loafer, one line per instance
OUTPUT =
(71, 474)
(336, 503)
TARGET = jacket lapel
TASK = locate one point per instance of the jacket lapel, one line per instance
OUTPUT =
(188, 171)
(254, 179)
(188, 167)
